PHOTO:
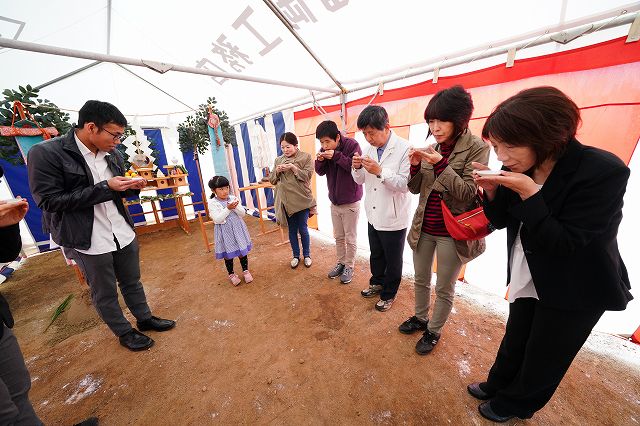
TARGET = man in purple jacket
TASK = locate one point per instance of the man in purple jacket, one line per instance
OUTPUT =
(334, 161)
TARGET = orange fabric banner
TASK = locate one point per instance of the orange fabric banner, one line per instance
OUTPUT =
(635, 337)
(602, 79)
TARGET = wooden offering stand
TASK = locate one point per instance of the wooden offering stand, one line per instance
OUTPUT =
(172, 181)
(176, 175)
(144, 172)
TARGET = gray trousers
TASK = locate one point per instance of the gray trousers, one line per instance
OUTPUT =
(448, 266)
(345, 231)
(15, 407)
(101, 272)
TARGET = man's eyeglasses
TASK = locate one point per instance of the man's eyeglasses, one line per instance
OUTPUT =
(116, 136)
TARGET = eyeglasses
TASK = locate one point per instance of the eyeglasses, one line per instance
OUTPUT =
(116, 136)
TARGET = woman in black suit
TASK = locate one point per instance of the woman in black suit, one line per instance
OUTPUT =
(561, 203)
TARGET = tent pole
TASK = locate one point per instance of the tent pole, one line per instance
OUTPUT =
(160, 67)
(288, 105)
(343, 111)
(617, 17)
(304, 100)
(156, 87)
(488, 53)
(109, 27)
(196, 157)
(287, 24)
(67, 75)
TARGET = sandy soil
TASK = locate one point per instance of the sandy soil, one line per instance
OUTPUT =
(293, 348)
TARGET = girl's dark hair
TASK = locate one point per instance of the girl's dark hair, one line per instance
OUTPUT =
(217, 182)
(542, 118)
(289, 137)
(453, 105)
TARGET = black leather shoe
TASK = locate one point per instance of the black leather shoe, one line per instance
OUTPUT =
(487, 412)
(136, 341)
(156, 324)
(476, 391)
(412, 325)
(91, 421)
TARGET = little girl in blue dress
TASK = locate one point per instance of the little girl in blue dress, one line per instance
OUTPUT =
(230, 232)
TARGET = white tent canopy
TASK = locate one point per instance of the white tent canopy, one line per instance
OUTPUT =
(359, 43)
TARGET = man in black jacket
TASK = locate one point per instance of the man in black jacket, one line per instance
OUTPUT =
(77, 180)
(15, 382)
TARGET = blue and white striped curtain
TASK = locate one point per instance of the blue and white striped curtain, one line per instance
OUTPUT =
(257, 148)
(166, 142)
(15, 183)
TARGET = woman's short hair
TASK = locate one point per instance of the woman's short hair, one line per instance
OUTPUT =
(453, 105)
(542, 118)
(289, 137)
(373, 116)
(217, 182)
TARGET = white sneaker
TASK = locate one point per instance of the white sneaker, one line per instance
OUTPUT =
(307, 262)
(384, 305)
(294, 262)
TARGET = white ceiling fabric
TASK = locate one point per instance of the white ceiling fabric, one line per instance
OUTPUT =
(356, 40)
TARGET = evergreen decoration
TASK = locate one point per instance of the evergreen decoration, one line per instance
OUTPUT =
(45, 112)
(159, 197)
(193, 133)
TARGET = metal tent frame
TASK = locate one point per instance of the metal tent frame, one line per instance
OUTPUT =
(563, 33)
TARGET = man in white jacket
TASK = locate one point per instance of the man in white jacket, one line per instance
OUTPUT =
(384, 170)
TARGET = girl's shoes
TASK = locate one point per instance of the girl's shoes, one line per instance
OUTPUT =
(235, 280)
(296, 261)
(247, 277)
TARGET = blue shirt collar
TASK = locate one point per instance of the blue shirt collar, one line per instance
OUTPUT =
(383, 147)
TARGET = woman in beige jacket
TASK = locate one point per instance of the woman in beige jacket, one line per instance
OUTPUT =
(292, 172)
(442, 171)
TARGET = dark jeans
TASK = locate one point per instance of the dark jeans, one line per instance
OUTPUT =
(15, 407)
(536, 351)
(298, 225)
(102, 271)
(386, 260)
(244, 264)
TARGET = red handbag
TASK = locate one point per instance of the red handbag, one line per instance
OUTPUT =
(471, 225)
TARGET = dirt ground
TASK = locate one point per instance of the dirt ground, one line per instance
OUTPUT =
(291, 348)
